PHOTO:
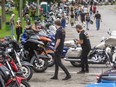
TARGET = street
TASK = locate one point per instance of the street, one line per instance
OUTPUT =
(108, 14)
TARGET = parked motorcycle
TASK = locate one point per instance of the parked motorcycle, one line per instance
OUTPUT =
(107, 78)
(32, 47)
(6, 71)
(24, 66)
(14, 51)
(97, 55)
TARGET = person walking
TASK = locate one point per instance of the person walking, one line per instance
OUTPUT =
(63, 22)
(82, 17)
(72, 9)
(59, 44)
(94, 9)
(12, 23)
(98, 19)
(85, 9)
(86, 46)
(27, 18)
(72, 20)
(18, 29)
(77, 12)
(87, 18)
(90, 11)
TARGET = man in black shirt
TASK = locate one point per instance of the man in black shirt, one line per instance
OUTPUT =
(82, 17)
(59, 44)
(86, 46)
(98, 18)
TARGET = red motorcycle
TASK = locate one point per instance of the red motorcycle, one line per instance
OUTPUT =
(6, 71)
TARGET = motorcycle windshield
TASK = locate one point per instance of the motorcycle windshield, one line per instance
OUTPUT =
(42, 33)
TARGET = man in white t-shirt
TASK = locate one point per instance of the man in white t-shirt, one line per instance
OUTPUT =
(85, 9)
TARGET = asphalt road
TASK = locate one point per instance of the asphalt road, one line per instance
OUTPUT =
(108, 14)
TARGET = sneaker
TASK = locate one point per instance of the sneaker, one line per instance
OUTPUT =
(67, 77)
(81, 72)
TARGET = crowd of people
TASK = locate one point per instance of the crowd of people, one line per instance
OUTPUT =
(76, 13)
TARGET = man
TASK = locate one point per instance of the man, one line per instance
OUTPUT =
(18, 29)
(98, 18)
(82, 17)
(85, 44)
(59, 44)
(12, 24)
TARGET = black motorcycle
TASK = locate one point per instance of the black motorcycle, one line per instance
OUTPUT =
(31, 49)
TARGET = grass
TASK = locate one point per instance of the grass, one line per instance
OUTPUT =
(6, 30)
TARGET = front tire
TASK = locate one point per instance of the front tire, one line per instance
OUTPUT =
(41, 66)
(27, 72)
(24, 84)
(75, 64)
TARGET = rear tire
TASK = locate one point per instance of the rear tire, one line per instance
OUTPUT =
(75, 64)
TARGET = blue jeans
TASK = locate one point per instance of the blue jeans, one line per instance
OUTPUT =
(90, 14)
(12, 30)
(87, 25)
(97, 24)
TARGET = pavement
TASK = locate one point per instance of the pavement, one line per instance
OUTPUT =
(108, 14)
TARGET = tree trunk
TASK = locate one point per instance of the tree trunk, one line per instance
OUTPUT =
(3, 12)
(20, 11)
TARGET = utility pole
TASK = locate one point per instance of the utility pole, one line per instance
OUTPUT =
(20, 10)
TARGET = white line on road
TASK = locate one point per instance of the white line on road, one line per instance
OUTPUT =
(50, 71)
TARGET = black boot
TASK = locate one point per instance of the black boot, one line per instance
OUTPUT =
(54, 77)
(67, 77)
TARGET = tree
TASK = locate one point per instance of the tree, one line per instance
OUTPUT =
(3, 11)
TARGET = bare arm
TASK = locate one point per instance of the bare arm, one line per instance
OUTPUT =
(80, 42)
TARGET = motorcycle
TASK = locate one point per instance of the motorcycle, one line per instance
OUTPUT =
(107, 78)
(6, 71)
(24, 66)
(14, 52)
(97, 54)
(31, 53)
